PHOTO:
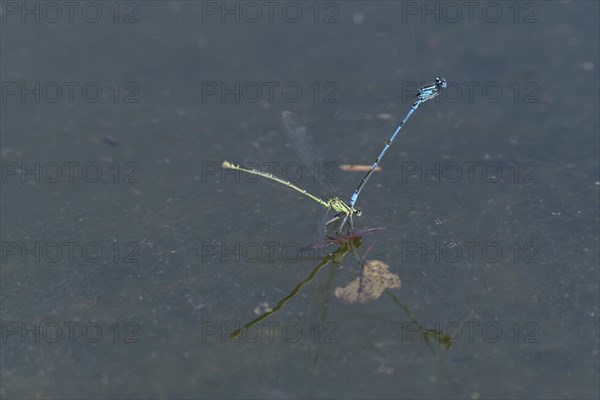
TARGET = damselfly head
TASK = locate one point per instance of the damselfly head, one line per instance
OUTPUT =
(441, 83)
(432, 90)
(357, 212)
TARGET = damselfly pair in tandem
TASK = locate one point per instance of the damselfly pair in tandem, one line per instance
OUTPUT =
(345, 211)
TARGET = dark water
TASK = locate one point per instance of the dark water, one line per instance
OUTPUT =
(128, 255)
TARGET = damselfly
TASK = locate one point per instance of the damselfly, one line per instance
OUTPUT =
(423, 94)
(336, 204)
(302, 142)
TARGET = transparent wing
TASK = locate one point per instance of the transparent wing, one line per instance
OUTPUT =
(301, 140)
(323, 173)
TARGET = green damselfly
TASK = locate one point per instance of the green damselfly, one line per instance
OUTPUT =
(303, 145)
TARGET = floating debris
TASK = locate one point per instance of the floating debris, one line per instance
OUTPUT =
(376, 278)
(358, 168)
